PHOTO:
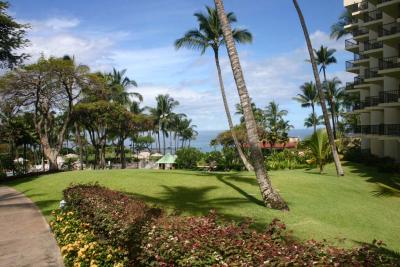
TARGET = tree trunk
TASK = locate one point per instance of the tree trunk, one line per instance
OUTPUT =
(159, 143)
(338, 165)
(315, 116)
(246, 163)
(79, 140)
(331, 104)
(271, 198)
(122, 148)
(163, 136)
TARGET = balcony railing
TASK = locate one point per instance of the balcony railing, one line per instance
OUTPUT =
(390, 96)
(360, 31)
(374, 15)
(384, 1)
(358, 80)
(358, 57)
(351, 43)
(371, 73)
(372, 44)
(389, 63)
(349, 64)
(352, 20)
(378, 129)
(389, 29)
(392, 129)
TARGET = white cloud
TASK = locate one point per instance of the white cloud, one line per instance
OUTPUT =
(53, 24)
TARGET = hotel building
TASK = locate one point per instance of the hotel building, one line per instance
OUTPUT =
(375, 43)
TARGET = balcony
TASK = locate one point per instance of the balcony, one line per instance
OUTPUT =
(390, 96)
(351, 44)
(358, 80)
(392, 129)
(360, 32)
(389, 29)
(377, 129)
(373, 16)
(389, 63)
(372, 73)
(372, 45)
(359, 6)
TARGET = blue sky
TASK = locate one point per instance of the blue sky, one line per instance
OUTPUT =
(139, 35)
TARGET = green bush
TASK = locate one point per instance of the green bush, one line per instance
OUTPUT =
(187, 158)
(287, 159)
(383, 164)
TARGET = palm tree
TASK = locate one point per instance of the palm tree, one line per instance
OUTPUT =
(338, 165)
(333, 95)
(337, 29)
(277, 127)
(324, 57)
(313, 120)
(119, 85)
(271, 197)
(209, 35)
(308, 97)
(319, 147)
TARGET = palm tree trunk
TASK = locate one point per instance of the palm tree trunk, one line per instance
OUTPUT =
(314, 122)
(271, 198)
(330, 104)
(338, 165)
(163, 136)
(246, 163)
(159, 144)
(79, 140)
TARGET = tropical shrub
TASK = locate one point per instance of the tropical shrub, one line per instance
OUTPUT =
(318, 146)
(114, 216)
(202, 241)
(287, 159)
(80, 246)
(215, 159)
(187, 158)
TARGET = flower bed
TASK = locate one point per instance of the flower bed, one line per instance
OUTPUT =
(99, 222)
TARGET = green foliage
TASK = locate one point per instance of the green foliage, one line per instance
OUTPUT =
(318, 145)
(187, 158)
(12, 36)
(79, 244)
(287, 159)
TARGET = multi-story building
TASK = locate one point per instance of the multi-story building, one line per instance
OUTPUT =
(375, 26)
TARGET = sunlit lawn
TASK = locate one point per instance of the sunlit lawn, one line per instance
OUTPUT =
(326, 206)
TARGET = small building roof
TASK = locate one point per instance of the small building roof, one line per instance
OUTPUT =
(167, 159)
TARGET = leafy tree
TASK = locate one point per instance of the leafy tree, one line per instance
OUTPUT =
(318, 144)
(313, 61)
(337, 29)
(187, 158)
(49, 89)
(276, 126)
(12, 36)
(313, 120)
(271, 198)
(308, 98)
(209, 35)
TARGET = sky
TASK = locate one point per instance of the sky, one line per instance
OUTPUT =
(139, 36)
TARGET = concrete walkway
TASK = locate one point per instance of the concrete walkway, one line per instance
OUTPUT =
(25, 237)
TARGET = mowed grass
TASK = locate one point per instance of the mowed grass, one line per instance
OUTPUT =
(343, 210)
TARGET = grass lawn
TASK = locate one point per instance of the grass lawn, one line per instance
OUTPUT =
(342, 210)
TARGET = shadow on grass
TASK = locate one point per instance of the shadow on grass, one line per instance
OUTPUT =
(388, 184)
(380, 249)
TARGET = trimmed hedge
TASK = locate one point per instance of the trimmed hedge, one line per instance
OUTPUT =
(152, 239)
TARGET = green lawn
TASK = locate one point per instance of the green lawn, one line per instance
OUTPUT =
(343, 210)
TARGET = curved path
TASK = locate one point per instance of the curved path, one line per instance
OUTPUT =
(25, 237)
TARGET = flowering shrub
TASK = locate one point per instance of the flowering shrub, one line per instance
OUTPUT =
(201, 241)
(80, 246)
(114, 216)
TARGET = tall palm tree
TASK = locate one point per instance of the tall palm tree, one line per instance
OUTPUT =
(324, 57)
(271, 197)
(333, 95)
(338, 165)
(277, 127)
(313, 120)
(209, 35)
(337, 29)
(308, 97)
(119, 85)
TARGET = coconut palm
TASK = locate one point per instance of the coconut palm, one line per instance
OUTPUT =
(313, 120)
(333, 95)
(337, 29)
(271, 197)
(209, 35)
(308, 98)
(313, 61)
(277, 127)
(324, 57)
(119, 86)
(318, 144)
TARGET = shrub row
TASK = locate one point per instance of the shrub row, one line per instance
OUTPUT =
(383, 164)
(153, 239)
(80, 246)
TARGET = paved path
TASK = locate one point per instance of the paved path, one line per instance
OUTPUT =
(25, 237)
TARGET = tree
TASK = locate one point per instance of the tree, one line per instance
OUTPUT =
(334, 95)
(313, 120)
(49, 89)
(308, 98)
(12, 36)
(119, 86)
(271, 198)
(337, 29)
(320, 149)
(277, 128)
(209, 34)
(338, 165)
(258, 113)
(324, 57)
